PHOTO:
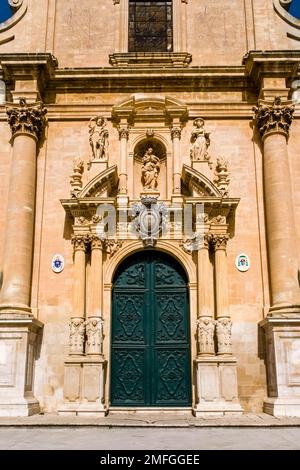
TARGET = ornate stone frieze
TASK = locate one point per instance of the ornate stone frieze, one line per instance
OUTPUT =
(77, 334)
(200, 142)
(27, 119)
(224, 326)
(149, 219)
(76, 177)
(274, 117)
(98, 138)
(205, 335)
(222, 179)
(123, 131)
(219, 241)
(176, 132)
(94, 334)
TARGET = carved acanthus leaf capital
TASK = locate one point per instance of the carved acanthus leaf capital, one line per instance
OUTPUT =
(123, 131)
(219, 241)
(97, 243)
(26, 119)
(79, 242)
(274, 117)
(176, 132)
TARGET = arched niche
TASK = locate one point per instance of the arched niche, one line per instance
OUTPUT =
(139, 151)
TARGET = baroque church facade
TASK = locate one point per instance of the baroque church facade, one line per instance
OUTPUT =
(149, 197)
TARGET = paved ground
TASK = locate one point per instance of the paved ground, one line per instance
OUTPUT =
(99, 438)
(153, 420)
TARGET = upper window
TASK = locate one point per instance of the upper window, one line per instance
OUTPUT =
(6, 11)
(150, 26)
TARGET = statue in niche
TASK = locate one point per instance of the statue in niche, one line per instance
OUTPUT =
(150, 169)
(200, 142)
(98, 138)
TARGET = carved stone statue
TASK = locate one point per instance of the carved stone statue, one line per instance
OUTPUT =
(200, 142)
(98, 138)
(224, 326)
(94, 332)
(150, 169)
(206, 329)
(76, 341)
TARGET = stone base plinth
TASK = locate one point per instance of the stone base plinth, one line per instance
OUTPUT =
(84, 386)
(18, 350)
(217, 392)
(283, 365)
(95, 167)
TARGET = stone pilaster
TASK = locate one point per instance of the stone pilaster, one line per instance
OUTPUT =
(205, 323)
(123, 129)
(77, 327)
(273, 121)
(223, 325)
(176, 136)
(94, 324)
(27, 124)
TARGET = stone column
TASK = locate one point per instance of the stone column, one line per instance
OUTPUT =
(273, 120)
(123, 135)
(27, 124)
(94, 324)
(223, 324)
(77, 327)
(176, 136)
(205, 322)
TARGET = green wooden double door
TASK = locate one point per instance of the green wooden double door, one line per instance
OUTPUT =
(150, 333)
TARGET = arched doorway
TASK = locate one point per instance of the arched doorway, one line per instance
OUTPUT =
(150, 360)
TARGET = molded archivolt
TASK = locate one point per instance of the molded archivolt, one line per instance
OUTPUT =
(20, 7)
(293, 24)
(200, 183)
(107, 180)
(166, 246)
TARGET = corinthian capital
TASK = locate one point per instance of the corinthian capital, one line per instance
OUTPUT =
(219, 242)
(26, 119)
(123, 131)
(274, 117)
(79, 242)
(175, 132)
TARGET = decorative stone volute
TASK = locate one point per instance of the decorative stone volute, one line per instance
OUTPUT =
(76, 178)
(274, 117)
(222, 179)
(26, 119)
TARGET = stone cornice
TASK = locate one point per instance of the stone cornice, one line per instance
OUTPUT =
(261, 64)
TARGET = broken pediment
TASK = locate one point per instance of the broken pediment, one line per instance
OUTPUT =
(197, 184)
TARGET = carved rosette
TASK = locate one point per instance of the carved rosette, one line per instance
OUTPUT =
(94, 333)
(274, 117)
(219, 242)
(123, 132)
(224, 326)
(24, 119)
(77, 333)
(205, 335)
(175, 132)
